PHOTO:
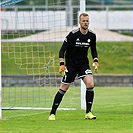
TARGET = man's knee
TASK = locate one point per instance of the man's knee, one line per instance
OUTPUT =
(88, 80)
(64, 87)
(90, 85)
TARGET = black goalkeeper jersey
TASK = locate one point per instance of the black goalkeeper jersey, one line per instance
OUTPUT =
(75, 48)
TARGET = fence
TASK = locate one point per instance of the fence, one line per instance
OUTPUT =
(33, 17)
(100, 80)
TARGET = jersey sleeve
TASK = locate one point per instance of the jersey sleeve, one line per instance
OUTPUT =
(65, 45)
(93, 48)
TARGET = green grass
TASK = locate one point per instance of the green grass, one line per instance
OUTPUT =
(112, 106)
(20, 34)
(114, 57)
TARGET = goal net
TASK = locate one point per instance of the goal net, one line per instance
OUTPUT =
(31, 38)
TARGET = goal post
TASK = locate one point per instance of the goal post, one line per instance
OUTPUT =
(83, 88)
(0, 74)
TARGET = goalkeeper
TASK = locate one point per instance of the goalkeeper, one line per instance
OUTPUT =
(76, 63)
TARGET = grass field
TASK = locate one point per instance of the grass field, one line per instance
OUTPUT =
(25, 57)
(112, 106)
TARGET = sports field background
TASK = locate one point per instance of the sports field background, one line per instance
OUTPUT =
(112, 106)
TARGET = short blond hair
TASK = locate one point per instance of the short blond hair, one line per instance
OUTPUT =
(83, 14)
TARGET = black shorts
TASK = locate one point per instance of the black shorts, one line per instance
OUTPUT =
(72, 72)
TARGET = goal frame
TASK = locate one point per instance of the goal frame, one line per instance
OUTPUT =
(82, 9)
(0, 74)
(9, 2)
(83, 88)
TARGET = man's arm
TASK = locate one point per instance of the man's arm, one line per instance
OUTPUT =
(94, 54)
(65, 46)
(62, 51)
(93, 48)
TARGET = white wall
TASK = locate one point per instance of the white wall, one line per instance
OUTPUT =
(40, 20)
(30, 20)
(111, 19)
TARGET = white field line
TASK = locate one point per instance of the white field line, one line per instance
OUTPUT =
(23, 115)
(29, 114)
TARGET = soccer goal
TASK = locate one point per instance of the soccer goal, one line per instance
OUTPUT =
(31, 37)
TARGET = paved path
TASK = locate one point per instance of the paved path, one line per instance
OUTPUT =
(58, 35)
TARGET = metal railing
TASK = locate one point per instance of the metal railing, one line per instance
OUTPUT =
(71, 13)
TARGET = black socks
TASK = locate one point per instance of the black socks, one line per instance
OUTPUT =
(89, 99)
(59, 95)
(58, 98)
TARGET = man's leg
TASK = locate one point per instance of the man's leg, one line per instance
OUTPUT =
(57, 100)
(88, 80)
(89, 99)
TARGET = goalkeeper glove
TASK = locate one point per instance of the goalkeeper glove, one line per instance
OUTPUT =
(62, 68)
(95, 64)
